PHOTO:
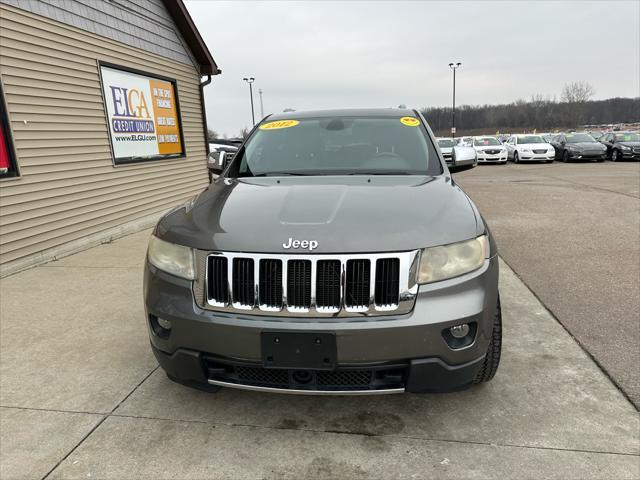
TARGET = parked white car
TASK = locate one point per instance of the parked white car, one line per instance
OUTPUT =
(446, 147)
(465, 141)
(489, 149)
(529, 148)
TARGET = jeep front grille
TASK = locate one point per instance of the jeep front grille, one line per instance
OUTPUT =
(307, 285)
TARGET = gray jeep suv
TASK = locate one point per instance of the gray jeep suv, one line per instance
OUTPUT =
(334, 255)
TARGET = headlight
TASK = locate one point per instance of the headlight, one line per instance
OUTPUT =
(625, 148)
(171, 258)
(527, 150)
(448, 261)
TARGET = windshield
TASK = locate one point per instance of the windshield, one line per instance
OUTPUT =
(446, 143)
(580, 138)
(338, 146)
(627, 137)
(530, 139)
(485, 141)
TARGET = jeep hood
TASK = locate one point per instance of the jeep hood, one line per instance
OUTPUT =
(343, 214)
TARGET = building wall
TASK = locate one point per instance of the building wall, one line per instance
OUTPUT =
(68, 188)
(144, 24)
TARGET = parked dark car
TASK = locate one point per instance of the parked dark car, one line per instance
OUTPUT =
(622, 145)
(578, 146)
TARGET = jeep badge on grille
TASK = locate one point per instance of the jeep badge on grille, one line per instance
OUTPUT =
(310, 244)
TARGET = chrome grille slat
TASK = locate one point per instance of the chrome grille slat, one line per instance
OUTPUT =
(358, 284)
(328, 290)
(314, 285)
(270, 284)
(299, 285)
(387, 281)
(218, 288)
(243, 279)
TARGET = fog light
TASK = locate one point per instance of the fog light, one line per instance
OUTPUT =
(458, 331)
(166, 324)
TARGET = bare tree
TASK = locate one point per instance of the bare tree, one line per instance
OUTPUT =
(577, 92)
(244, 132)
(212, 134)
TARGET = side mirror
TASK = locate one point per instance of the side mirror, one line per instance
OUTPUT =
(463, 158)
(218, 161)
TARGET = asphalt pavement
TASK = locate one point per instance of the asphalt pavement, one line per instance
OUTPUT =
(81, 396)
(571, 232)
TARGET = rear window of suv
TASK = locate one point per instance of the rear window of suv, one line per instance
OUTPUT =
(338, 146)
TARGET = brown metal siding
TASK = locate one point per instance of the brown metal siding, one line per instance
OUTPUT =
(68, 186)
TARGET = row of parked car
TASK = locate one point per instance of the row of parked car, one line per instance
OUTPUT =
(614, 146)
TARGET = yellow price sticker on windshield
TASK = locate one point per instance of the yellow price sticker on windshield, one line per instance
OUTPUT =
(410, 121)
(279, 124)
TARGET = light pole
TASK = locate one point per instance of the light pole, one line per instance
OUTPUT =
(250, 80)
(261, 106)
(454, 67)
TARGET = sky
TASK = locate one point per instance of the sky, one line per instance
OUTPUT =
(316, 54)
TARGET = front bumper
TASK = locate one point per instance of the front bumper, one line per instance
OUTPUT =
(536, 157)
(401, 353)
(501, 158)
(630, 155)
(587, 155)
(431, 375)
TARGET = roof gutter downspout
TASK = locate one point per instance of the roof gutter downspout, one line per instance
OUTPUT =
(204, 113)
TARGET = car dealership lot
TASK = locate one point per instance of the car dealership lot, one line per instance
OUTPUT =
(570, 231)
(82, 397)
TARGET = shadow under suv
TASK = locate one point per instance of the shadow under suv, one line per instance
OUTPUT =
(334, 255)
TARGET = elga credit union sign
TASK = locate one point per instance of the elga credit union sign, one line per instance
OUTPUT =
(143, 116)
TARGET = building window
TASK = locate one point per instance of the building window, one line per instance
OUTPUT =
(143, 114)
(8, 165)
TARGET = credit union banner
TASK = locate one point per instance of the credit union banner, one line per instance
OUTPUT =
(142, 113)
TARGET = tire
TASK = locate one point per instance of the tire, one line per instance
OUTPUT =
(565, 157)
(615, 156)
(516, 158)
(492, 358)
